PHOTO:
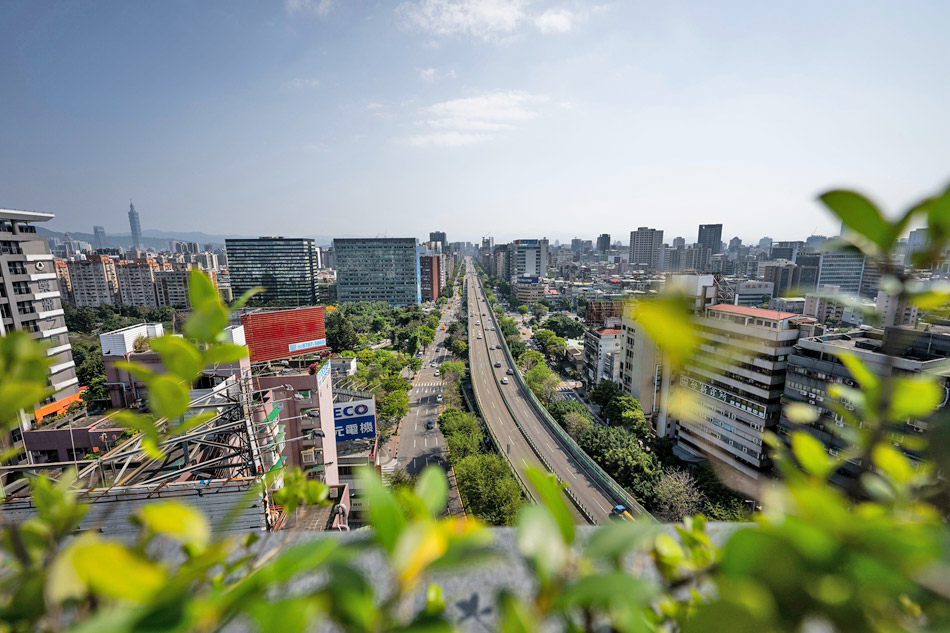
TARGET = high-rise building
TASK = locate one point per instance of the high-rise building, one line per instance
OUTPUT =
(135, 226)
(284, 266)
(99, 237)
(765, 242)
(645, 245)
(527, 258)
(93, 281)
(738, 388)
(30, 302)
(430, 267)
(813, 242)
(841, 269)
(377, 269)
(710, 236)
(439, 236)
(784, 276)
(603, 242)
(786, 250)
(136, 281)
(679, 242)
(735, 244)
(814, 366)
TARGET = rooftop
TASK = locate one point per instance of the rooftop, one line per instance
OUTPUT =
(758, 313)
(25, 216)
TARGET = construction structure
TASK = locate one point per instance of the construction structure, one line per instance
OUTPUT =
(227, 467)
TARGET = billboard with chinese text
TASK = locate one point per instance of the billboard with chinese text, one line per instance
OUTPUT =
(354, 420)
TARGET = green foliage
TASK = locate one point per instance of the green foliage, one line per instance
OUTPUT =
(488, 488)
(559, 408)
(542, 381)
(564, 326)
(604, 392)
(530, 358)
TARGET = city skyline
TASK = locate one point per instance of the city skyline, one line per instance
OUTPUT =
(322, 112)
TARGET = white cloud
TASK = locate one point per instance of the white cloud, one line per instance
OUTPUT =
(432, 75)
(447, 139)
(470, 120)
(320, 7)
(304, 83)
(486, 19)
(555, 21)
(374, 106)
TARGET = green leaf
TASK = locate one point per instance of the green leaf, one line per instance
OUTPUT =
(514, 615)
(605, 590)
(666, 320)
(811, 455)
(224, 353)
(419, 545)
(179, 356)
(619, 537)
(238, 303)
(551, 495)
(176, 520)
(200, 288)
(539, 539)
(868, 381)
(915, 397)
(433, 488)
(384, 512)
(167, 397)
(800, 413)
(892, 463)
(288, 615)
(861, 216)
(90, 565)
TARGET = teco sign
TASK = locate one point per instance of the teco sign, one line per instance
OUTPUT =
(354, 420)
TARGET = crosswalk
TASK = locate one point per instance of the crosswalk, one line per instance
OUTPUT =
(426, 384)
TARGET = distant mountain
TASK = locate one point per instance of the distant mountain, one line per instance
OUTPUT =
(152, 238)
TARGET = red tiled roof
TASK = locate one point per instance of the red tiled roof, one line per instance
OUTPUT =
(759, 313)
(608, 331)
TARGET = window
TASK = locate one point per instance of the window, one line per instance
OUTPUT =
(31, 326)
(16, 268)
(5, 311)
(25, 307)
(21, 288)
(10, 248)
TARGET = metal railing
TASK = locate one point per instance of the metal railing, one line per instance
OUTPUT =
(491, 433)
(608, 483)
(585, 512)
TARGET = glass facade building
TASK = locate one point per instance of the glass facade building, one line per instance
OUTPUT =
(378, 269)
(284, 266)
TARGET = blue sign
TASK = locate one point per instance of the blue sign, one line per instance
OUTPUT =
(527, 242)
(296, 347)
(528, 280)
(323, 373)
(354, 420)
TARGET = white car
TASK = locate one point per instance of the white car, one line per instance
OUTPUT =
(479, 336)
(438, 398)
(504, 381)
(437, 373)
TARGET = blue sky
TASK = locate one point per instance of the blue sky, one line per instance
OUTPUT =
(512, 118)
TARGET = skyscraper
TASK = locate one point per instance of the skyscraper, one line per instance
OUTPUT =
(99, 239)
(30, 301)
(377, 269)
(710, 236)
(135, 225)
(603, 242)
(439, 236)
(645, 245)
(284, 266)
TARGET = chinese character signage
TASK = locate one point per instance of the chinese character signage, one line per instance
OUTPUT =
(354, 420)
(723, 396)
(305, 345)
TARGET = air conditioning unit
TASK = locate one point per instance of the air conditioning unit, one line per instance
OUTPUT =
(308, 456)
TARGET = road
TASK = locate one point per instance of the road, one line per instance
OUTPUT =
(486, 379)
(419, 446)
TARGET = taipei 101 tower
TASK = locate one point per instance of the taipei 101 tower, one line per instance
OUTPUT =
(135, 226)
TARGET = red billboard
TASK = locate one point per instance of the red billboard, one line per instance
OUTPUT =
(284, 333)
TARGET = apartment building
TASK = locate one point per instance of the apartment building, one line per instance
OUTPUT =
(814, 365)
(601, 353)
(136, 282)
(736, 379)
(30, 301)
(93, 281)
(645, 245)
